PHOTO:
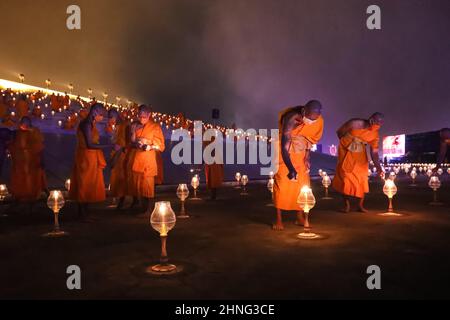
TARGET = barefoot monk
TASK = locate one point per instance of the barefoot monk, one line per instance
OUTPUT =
(351, 178)
(300, 128)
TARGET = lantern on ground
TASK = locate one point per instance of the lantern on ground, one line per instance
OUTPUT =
(55, 202)
(397, 170)
(326, 181)
(48, 83)
(183, 194)
(238, 180)
(270, 185)
(406, 170)
(429, 173)
(3, 192)
(448, 170)
(390, 190)
(413, 177)
(320, 172)
(435, 184)
(440, 171)
(195, 182)
(21, 77)
(244, 181)
(163, 220)
(67, 184)
(271, 174)
(306, 202)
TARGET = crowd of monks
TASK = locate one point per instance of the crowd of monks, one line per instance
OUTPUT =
(135, 160)
(137, 146)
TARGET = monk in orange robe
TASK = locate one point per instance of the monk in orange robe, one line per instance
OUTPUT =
(214, 174)
(300, 128)
(22, 106)
(159, 179)
(54, 102)
(146, 138)
(87, 183)
(27, 174)
(4, 109)
(120, 136)
(351, 178)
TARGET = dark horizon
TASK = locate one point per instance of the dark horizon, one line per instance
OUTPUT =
(250, 59)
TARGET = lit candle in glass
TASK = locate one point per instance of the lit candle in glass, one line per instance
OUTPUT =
(326, 182)
(195, 182)
(244, 181)
(163, 220)
(183, 194)
(55, 202)
(435, 184)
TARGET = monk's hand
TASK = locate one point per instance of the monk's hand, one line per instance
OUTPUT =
(292, 175)
(381, 174)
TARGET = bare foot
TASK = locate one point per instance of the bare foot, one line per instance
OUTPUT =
(362, 209)
(278, 226)
(346, 208)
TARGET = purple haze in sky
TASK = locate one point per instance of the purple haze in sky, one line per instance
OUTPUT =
(249, 58)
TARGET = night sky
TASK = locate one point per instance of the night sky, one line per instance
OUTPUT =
(248, 58)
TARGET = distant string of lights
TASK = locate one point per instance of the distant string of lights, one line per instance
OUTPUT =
(129, 110)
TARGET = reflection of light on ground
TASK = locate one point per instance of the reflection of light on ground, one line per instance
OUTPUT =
(390, 214)
(309, 236)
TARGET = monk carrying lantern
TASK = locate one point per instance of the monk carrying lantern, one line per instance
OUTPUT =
(351, 178)
(300, 128)
(146, 137)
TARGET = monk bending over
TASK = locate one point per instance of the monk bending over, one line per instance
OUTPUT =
(351, 178)
(146, 138)
(300, 128)
(87, 184)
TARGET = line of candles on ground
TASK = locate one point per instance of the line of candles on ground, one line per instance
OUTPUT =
(163, 218)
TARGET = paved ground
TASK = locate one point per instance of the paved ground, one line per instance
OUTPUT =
(228, 251)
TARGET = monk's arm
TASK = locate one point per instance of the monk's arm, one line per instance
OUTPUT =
(344, 129)
(286, 143)
(88, 138)
(158, 141)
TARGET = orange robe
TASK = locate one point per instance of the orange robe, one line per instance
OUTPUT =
(213, 173)
(22, 108)
(86, 182)
(285, 191)
(3, 110)
(351, 172)
(118, 180)
(27, 176)
(141, 165)
(159, 179)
